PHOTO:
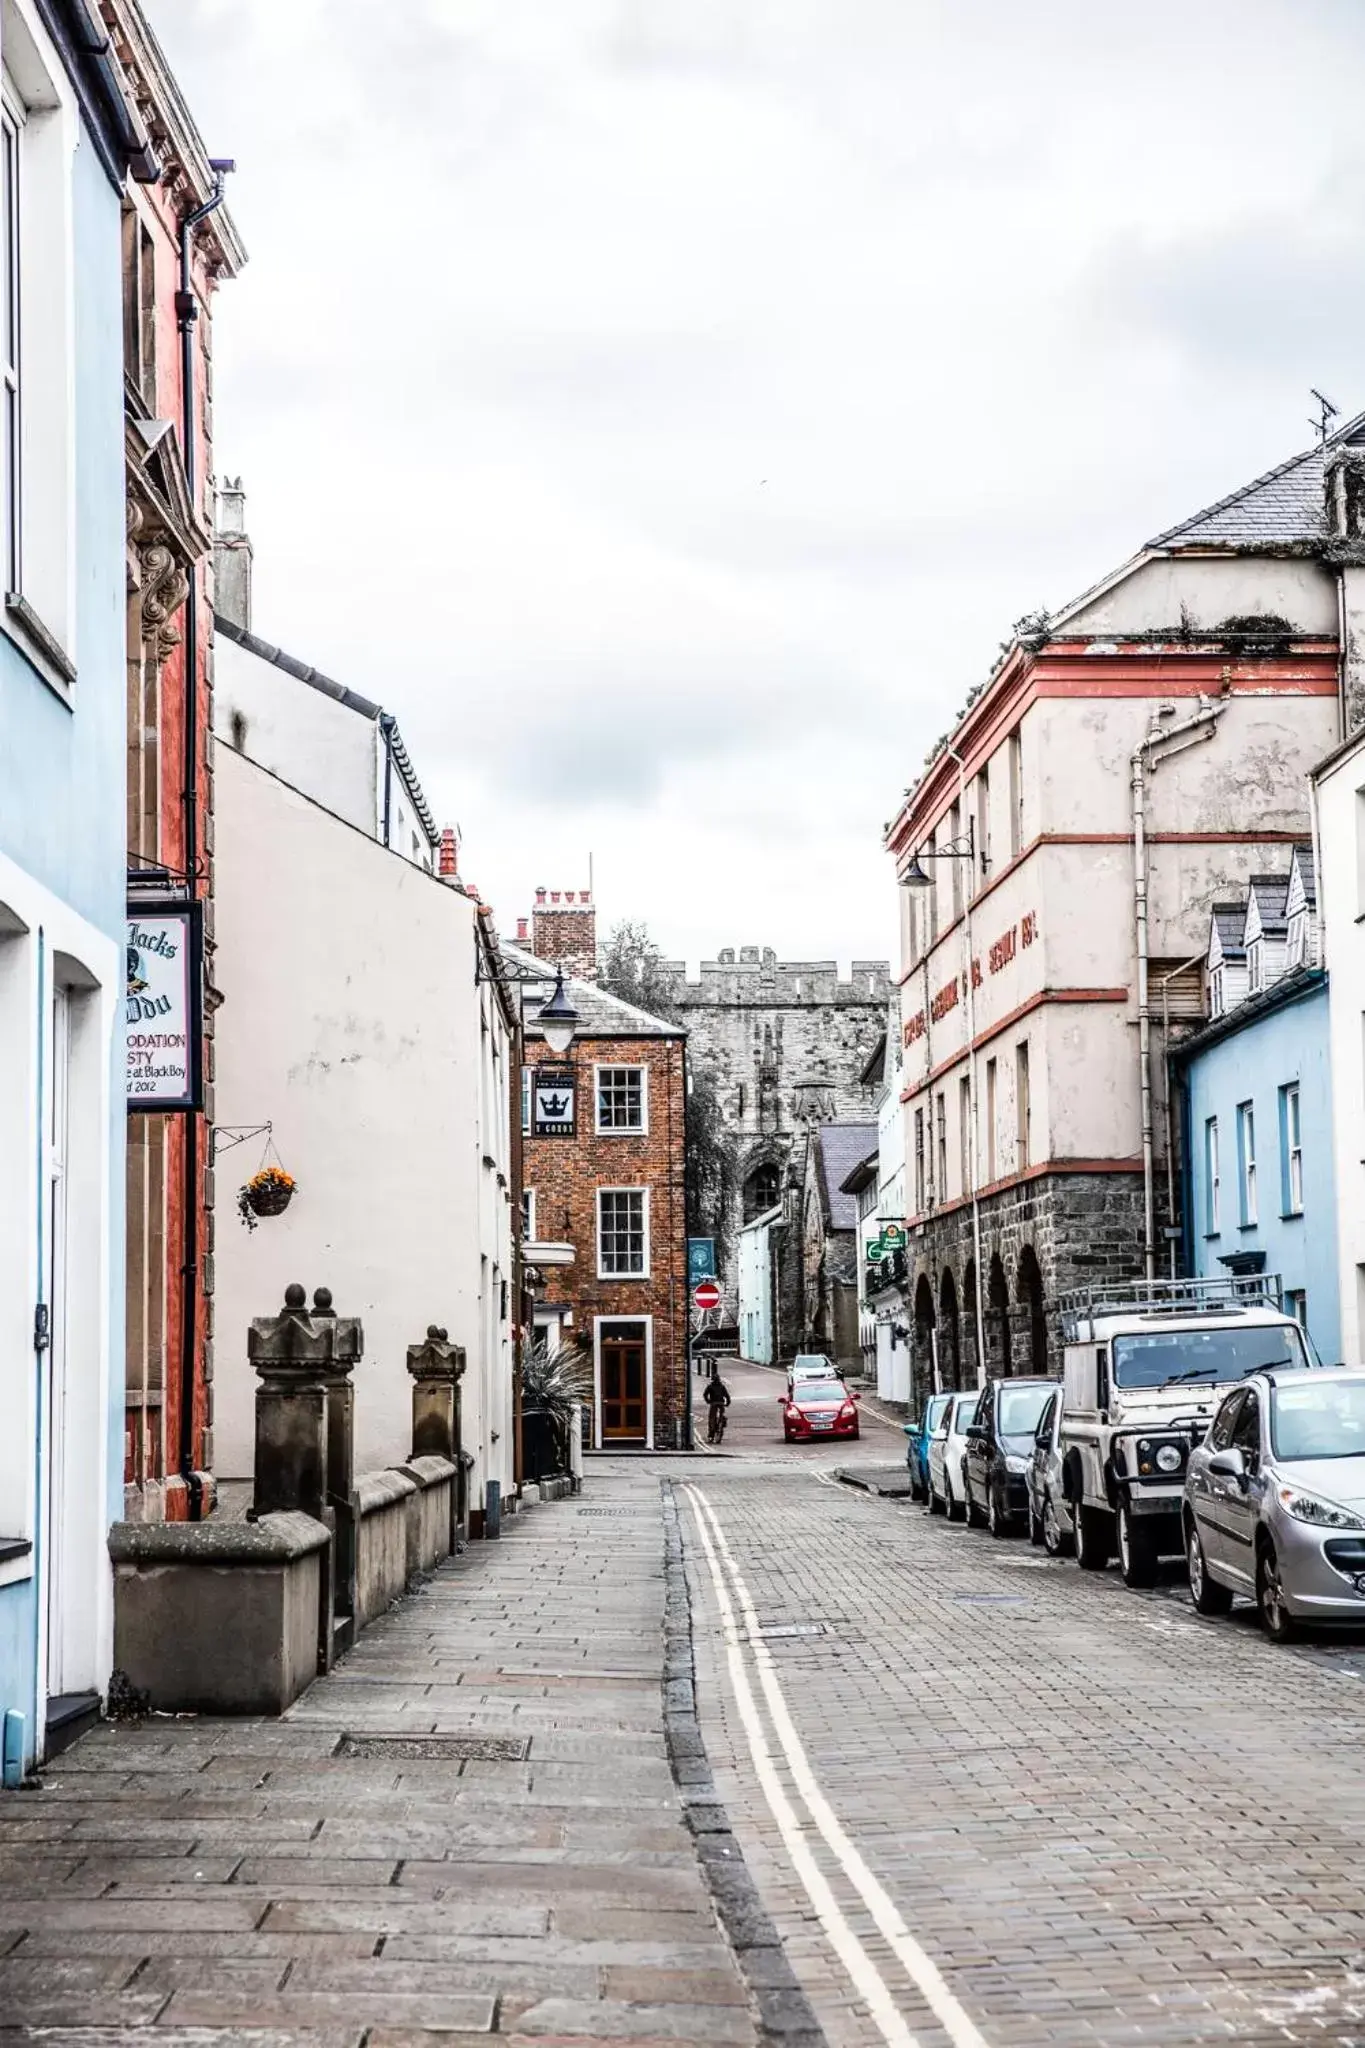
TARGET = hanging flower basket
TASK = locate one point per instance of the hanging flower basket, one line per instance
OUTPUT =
(267, 1193)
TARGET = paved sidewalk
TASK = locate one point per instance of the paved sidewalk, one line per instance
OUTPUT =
(246, 1879)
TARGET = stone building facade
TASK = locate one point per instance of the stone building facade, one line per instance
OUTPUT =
(603, 1206)
(787, 1042)
(1131, 762)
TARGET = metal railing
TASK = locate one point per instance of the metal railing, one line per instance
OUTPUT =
(1213, 1297)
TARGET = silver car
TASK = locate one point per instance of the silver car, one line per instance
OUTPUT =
(1275, 1501)
(1049, 1517)
(948, 1457)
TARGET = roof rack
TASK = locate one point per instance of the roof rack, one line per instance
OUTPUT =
(1217, 1297)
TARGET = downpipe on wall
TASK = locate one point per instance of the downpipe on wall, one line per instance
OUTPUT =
(1162, 742)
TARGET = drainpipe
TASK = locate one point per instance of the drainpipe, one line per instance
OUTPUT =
(1166, 980)
(1200, 725)
(971, 1067)
(386, 725)
(187, 314)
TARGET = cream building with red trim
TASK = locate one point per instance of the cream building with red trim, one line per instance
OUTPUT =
(1130, 760)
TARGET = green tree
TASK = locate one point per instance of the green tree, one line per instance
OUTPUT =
(631, 966)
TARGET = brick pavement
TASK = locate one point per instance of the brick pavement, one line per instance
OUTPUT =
(239, 1881)
(1106, 1820)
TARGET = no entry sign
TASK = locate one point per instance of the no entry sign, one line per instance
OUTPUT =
(706, 1296)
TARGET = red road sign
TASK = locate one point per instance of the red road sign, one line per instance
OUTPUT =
(706, 1295)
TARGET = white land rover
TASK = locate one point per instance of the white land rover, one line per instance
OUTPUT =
(1145, 1364)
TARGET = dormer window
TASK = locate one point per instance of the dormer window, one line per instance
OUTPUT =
(1217, 995)
(1296, 952)
(1256, 966)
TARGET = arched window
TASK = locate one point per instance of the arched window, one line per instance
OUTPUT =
(761, 1190)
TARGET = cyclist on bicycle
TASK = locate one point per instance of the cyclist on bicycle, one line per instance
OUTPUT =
(717, 1398)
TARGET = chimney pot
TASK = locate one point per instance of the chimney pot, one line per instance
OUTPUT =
(540, 895)
(446, 866)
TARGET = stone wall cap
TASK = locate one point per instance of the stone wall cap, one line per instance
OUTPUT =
(275, 1539)
(376, 1490)
(430, 1470)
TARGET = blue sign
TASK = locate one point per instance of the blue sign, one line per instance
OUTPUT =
(701, 1259)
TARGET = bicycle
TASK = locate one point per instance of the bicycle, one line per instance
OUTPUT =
(715, 1423)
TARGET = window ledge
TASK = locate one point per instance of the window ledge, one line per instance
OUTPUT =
(14, 1546)
(43, 650)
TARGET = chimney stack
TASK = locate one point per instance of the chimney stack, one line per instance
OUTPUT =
(564, 930)
(445, 860)
(232, 554)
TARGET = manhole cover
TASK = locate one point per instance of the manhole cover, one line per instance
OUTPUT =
(793, 1628)
(449, 1749)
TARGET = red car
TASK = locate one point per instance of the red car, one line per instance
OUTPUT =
(818, 1408)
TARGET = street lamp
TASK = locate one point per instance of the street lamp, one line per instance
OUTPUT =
(558, 1019)
(915, 876)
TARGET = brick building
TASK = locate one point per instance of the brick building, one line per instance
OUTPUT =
(172, 214)
(603, 1199)
(1131, 763)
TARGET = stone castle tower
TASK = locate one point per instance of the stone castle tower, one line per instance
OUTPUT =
(787, 1042)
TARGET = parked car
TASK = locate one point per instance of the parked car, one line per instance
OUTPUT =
(917, 1449)
(999, 1445)
(1275, 1501)
(948, 1456)
(818, 1407)
(809, 1365)
(1049, 1517)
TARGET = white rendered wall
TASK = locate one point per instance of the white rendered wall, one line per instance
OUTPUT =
(1341, 898)
(322, 747)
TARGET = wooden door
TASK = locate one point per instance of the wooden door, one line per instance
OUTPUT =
(623, 1383)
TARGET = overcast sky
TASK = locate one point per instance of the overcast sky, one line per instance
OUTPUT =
(665, 406)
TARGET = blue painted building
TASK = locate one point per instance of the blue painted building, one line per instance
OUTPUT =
(68, 139)
(1255, 1090)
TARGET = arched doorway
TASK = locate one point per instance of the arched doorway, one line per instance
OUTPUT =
(922, 1354)
(969, 1347)
(998, 1318)
(1028, 1293)
(949, 1333)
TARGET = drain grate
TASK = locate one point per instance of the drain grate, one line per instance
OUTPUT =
(988, 1599)
(791, 1628)
(631, 1514)
(448, 1749)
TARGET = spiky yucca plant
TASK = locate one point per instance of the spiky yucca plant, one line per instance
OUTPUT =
(555, 1378)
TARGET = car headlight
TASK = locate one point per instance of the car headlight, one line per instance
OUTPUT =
(1168, 1458)
(1016, 1465)
(1322, 1514)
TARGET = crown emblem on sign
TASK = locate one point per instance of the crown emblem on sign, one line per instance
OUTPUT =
(554, 1105)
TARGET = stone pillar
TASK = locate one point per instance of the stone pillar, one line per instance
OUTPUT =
(437, 1367)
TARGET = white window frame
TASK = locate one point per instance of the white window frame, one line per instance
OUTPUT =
(640, 1130)
(1213, 1192)
(599, 1324)
(528, 1216)
(1293, 1146)
(11, 345)
(1246, 1163)
(526, 1102)
(643, 1272)
(1217, 994)
(1255, 966)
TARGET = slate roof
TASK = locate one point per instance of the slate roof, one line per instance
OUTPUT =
(603, 1015)
(839, 1148)
(1285, 506)
(1271, 893)
(1230, 919)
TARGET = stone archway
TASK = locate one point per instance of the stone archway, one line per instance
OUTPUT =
(922, 1352)
(970, 1373)
(949, 1333)
(998, 1319)
(1028, 1293)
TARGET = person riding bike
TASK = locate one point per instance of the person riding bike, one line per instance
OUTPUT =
(717, 1398)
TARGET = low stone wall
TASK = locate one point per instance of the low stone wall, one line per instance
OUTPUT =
(381, 1542)
(220, 1617)
(431, 1511)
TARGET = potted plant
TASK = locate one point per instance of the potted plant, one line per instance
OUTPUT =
(267, 1193)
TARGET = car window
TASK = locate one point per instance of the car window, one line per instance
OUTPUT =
(819, 1393)
(1225, 1421)
(1046, 1419)
(934, 1409)
(1246, 1433)
(966, 1407)
(1319, 1421)
(1020, 1408)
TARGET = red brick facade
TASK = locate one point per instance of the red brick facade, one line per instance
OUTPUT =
(628, 1325)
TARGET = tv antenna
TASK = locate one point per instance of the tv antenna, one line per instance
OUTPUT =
(1327, 412)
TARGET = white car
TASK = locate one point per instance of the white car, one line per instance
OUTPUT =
(948, 1456)
(809, 1365)
(1049, 1517)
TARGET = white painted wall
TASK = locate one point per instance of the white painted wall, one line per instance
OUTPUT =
(755, 1292)
(353, 1022)
(324, 748)
(1150, 599)
(1340, 793)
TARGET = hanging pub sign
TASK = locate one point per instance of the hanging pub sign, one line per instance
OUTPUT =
(164, 1006)
(552, 1103)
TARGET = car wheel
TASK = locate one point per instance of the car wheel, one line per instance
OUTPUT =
(953, 1508)
(916, 1486)
(996, 1522)
(1138, 1554)
(1055, 1543)
(1276, 1619)
(935, 1504)
(1206, 1595)
(1094, 1539)
(1035, 1525)
(976, 1517)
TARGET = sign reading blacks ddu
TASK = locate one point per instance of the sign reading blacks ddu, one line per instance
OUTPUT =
(552, 1103)
(164, 1006)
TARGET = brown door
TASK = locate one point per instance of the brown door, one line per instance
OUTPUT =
(623, 1383)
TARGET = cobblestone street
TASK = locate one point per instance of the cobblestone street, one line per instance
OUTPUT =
(1057, 1811)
